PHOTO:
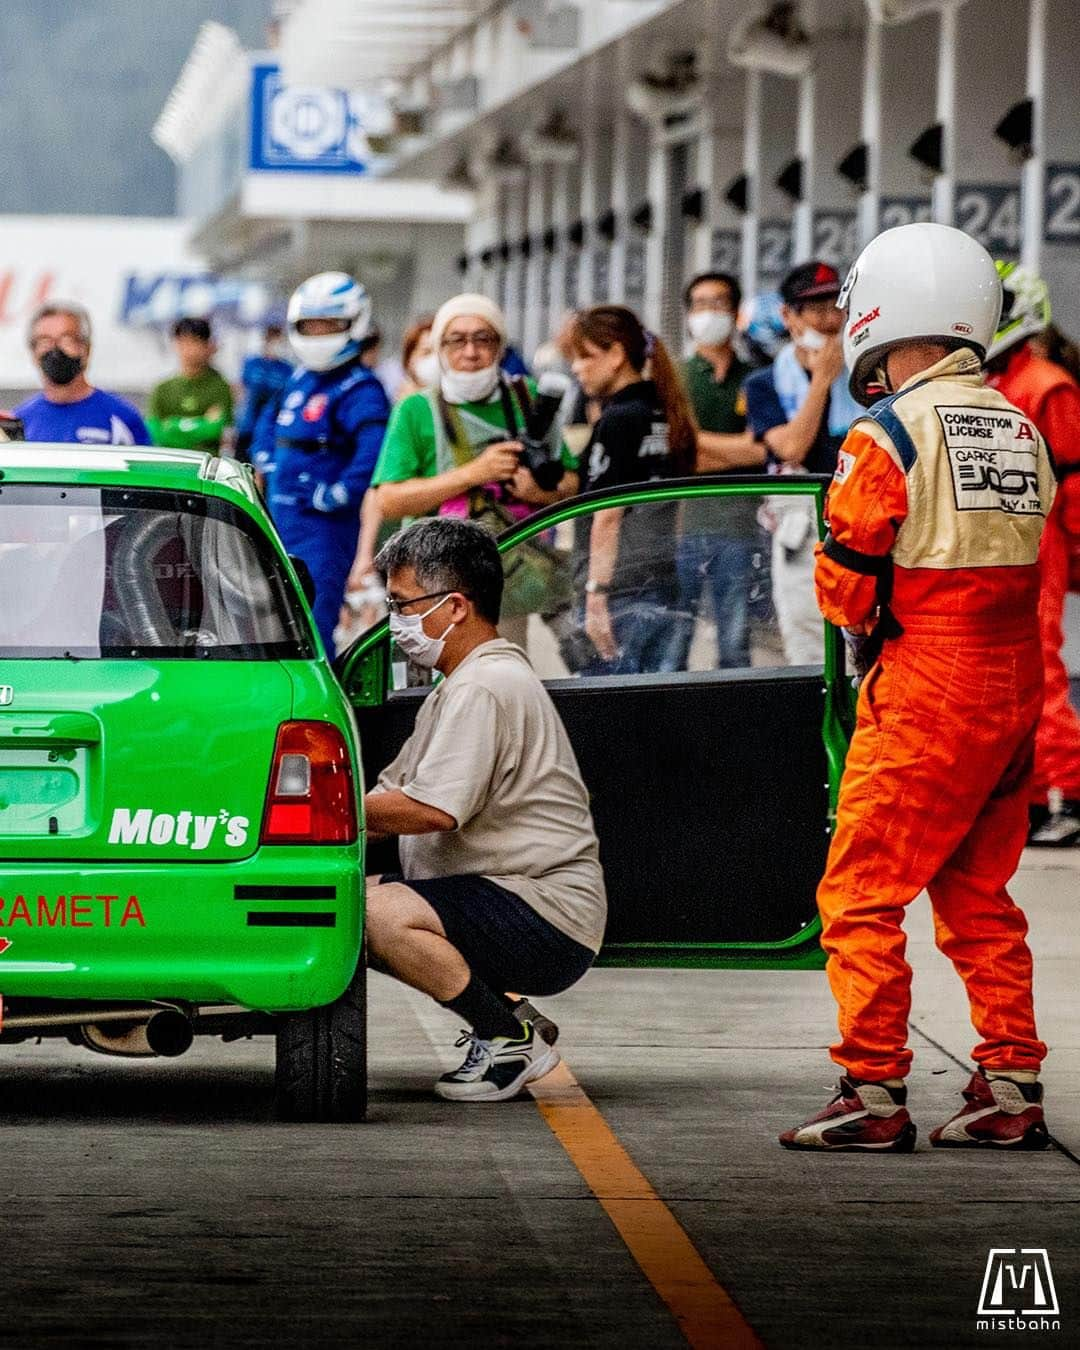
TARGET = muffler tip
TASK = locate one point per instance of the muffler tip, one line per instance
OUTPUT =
(169, 1033)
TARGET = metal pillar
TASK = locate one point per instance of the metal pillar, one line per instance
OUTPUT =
(803, 239)
(945, 182)
(535, 319)
(1034, 172)
(656, 280)
(588, 207)
(620, 204)
(752, 170)
(870, 200)
(559, 220)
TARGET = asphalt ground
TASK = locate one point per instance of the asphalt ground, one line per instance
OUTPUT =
(154, 1203)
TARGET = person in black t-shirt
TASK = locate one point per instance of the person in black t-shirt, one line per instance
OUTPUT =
(646, 431)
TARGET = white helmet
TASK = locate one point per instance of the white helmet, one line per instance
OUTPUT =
(1025, 308)
(917, 281)
(329, 295)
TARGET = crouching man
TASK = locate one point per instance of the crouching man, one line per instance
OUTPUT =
(500, 885)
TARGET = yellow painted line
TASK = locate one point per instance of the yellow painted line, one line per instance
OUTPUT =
(704, 1310)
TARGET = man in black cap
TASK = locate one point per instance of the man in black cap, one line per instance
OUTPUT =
(801, 409)
(191, 411)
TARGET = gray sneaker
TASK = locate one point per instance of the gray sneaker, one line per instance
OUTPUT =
(544, 1027)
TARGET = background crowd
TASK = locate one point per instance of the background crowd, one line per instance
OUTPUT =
(349, 443)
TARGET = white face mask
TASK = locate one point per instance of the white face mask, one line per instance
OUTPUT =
(811, 340)
(425, 370)
(322, 353)
(470, 386)
(407, 630)
(710, 327)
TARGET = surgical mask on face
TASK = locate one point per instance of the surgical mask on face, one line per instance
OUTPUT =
(407, 630)
(811, 340)
(425, 370)
(469, 386)
(710, 327)
(58, 367)
(324, 352)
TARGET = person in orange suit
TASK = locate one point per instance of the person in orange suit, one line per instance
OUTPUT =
(1050, 396)
(931, 560)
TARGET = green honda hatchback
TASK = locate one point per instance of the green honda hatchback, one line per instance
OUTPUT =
(181, 850)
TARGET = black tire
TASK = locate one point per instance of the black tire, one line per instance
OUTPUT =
(321, 1065)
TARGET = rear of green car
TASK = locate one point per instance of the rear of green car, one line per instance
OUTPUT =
(179, 791)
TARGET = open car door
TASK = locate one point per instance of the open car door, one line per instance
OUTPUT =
(713, 787)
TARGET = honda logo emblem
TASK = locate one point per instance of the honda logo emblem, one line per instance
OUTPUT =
(7, 694)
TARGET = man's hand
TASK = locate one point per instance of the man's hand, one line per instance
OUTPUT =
(525, 488)
(827, 363)
(497, 464)
(598, 626)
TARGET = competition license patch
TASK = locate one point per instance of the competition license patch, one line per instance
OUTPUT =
(993, 455)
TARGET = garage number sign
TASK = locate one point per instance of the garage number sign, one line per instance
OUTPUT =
(1062, 204)
(990, 213)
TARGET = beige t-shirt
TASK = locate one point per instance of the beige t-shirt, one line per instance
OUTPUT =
(490, 750)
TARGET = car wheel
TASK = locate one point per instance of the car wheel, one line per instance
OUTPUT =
(321, 1070)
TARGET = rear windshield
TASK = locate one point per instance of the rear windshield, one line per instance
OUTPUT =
(111, 572)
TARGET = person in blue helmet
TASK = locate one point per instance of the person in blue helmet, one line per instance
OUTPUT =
(318, 450)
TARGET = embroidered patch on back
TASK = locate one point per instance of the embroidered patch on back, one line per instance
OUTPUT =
(993, 456)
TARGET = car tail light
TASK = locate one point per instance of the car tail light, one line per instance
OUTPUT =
(310, 799)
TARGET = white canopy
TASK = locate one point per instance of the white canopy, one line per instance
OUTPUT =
(354, 44)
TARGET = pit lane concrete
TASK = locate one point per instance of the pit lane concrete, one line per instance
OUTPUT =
(154, 1203)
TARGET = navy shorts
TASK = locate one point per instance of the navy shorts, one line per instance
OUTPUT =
(505, 942)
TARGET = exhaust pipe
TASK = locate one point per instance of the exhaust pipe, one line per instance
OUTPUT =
(169, 1033)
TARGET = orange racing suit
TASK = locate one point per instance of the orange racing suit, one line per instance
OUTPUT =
(941, 494)
(1051, 398)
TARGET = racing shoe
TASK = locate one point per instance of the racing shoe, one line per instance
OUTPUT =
(544, 1027)
(861, 1118)
(997, 1113)
(1057, 829)
(496, 1070)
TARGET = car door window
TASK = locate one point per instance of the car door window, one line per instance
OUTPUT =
(692, 584)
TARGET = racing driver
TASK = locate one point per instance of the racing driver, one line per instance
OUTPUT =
(1051, 398)
(317, 447)
(935, 515)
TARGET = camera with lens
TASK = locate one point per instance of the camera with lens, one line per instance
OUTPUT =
(546, 468)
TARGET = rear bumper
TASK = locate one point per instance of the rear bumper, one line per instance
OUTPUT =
(278, 931)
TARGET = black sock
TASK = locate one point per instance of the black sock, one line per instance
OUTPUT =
(488, 1013)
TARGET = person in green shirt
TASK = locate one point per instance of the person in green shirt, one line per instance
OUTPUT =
(719, 536)
(448, 447)
(191, 410)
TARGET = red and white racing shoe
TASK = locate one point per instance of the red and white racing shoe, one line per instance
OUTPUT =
(861, 1118)
(997, 1113)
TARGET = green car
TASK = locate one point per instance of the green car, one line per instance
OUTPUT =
(180, 798)
(181, 770)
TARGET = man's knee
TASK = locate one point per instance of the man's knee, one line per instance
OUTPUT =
(392, 910)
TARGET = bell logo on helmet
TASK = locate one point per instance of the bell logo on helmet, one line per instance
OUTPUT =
(964, 329)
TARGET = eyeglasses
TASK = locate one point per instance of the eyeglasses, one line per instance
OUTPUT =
(396, 606)
(485, 342)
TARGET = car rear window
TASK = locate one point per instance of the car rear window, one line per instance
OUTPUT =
(110, 572)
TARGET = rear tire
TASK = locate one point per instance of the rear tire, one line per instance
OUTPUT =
(321, 1066)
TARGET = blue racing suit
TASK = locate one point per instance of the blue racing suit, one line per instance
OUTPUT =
(263, 379)
(318, 454)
